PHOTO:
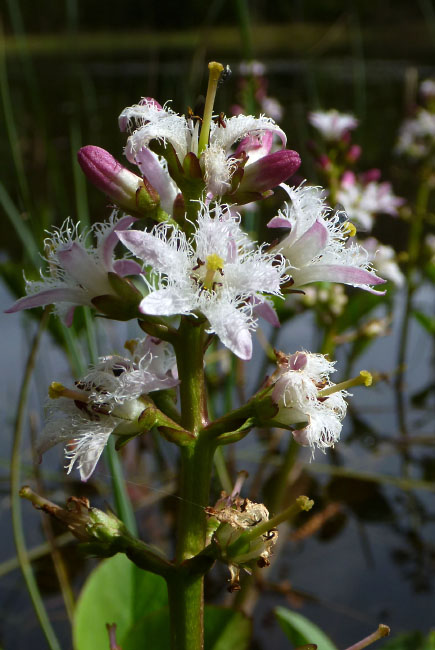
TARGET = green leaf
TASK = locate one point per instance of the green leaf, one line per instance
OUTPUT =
(119, 592)
(226, 629)
(301, 631)
(116, 592)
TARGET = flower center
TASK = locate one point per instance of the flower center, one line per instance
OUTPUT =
(213, 265)
(206, 272)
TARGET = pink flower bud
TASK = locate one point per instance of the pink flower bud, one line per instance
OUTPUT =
(125, 188)
(354, 153)
(371, 175)
(348, 179)
(269, 171)
(323, 161)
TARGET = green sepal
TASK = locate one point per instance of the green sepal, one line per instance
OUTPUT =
(115, 308)
(237, 434)
(124, 440)
(167, 151)
(265, 410)
(124, 288)
(191, 167)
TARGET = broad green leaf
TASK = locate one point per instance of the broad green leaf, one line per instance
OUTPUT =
(226, 629)
(301, 631)
(119, 592)
(116, 592)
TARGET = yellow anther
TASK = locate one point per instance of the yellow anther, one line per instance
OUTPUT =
(131, 345)
(367, 376)
(56, 390)
(349, 228)
(213, 263)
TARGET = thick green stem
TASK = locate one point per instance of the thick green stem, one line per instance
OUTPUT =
(189, 349)
(186, 589)
(186, 592)
(186, 607)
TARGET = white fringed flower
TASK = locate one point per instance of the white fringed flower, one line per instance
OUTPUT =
(315, 248)
(300, 378)
(219, 273)
(107, 400)
(332, 124)
(149, 121)
(78, 272)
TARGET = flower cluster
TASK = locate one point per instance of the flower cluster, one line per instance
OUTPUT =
(417, 133)
(196, 261)
(248, 169)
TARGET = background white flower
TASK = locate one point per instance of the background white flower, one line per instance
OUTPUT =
(332, 124)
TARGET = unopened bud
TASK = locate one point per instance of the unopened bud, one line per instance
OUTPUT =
(87, 524)
(125, 188)
(269, 171)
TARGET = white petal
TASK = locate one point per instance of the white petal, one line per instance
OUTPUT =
(167, 302)
(241, 126)
(232, 326)
(163, 256)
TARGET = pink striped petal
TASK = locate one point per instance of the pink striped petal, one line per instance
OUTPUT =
(127, 267)
(48, 297)
(338, 273)
(110, 240)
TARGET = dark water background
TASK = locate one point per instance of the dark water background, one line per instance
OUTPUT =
(376, 561)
